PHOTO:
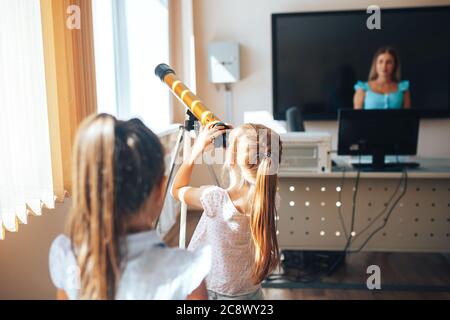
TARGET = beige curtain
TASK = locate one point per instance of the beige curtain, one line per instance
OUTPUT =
(70, 79)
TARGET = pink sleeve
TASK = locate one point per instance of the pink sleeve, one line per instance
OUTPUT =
(211, 200)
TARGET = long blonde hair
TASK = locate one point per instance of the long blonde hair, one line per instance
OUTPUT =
(116, 166)
(396, 73)
(258, 167)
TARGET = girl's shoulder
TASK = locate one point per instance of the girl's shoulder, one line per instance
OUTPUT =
(165, 273)
(212, 198)
(213, 191)
(176, 259)
(63, 266)
(362, 85)
(216, 200)
(403, 86)
(150, 272)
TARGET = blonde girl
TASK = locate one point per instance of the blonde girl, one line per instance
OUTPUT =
(239, 222)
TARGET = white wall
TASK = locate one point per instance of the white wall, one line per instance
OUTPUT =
(249, 23)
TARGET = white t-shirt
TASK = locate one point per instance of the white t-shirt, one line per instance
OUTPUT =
(228, 232)
(152, 271)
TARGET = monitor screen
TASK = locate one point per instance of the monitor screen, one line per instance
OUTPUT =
(318, 58)
(366, 132)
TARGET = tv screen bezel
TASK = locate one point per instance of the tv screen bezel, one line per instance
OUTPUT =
(279, 115)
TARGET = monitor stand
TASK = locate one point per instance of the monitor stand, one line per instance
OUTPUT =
(378, 165)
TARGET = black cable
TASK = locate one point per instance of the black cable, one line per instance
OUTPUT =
(405, 177)
(317, 272)
(388, 204)
(379, 215)
(352, 224)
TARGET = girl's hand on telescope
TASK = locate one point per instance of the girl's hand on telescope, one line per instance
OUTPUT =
(206, 138)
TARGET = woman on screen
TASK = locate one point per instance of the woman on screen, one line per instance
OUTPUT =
(384, 90)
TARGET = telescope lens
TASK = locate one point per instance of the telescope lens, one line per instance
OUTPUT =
(162, 70)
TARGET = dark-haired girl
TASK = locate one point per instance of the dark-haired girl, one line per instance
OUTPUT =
(113, 250)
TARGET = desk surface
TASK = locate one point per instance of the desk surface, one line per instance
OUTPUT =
(429, 168)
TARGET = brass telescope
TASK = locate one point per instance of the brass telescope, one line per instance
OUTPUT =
(185, 95)
(188, 98)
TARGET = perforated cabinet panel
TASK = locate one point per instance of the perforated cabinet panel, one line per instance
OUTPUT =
(309, 214)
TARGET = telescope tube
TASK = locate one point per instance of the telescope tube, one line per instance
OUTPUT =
(186, 96)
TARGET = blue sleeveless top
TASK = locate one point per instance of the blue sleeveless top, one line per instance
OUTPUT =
(374, 100)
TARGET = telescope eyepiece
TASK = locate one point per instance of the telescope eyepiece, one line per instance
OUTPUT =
(163, 70)
(221, 141)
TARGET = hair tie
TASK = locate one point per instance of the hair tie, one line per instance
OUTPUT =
(265, 155)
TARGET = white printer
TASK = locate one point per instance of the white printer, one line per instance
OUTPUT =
(306, 152)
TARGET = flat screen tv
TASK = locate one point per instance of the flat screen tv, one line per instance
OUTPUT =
(318, 57)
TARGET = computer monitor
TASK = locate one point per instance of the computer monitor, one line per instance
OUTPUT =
(378, 133)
